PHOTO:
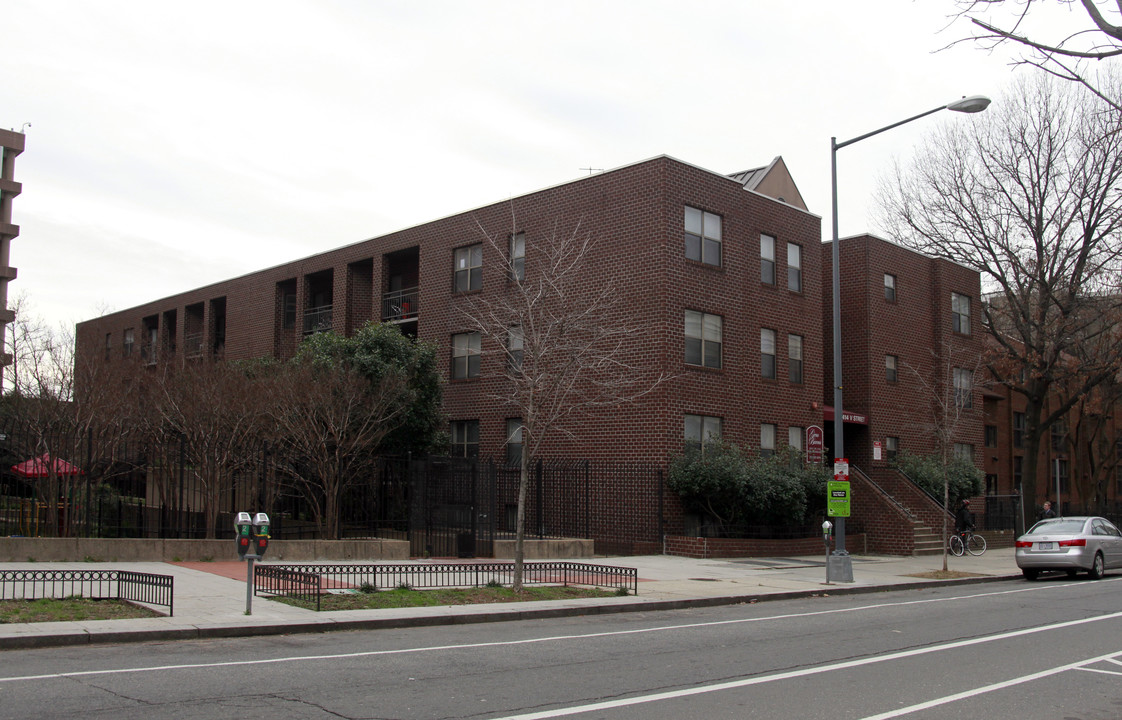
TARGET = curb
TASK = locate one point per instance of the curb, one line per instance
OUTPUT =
(110, 636)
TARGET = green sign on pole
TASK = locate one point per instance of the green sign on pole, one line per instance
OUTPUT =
(837, 498)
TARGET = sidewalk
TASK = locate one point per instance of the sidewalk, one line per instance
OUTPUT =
(210, 598)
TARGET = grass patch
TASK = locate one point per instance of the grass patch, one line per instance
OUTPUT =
(406, 598)
(68, 609)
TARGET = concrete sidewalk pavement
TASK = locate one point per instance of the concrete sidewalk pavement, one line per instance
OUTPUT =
(210, 598)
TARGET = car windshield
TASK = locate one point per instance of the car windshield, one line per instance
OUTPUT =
(1061, 526)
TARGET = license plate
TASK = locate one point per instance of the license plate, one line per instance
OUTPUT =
(1044, 546)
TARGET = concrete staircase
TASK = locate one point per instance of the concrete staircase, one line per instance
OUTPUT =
(928, 541)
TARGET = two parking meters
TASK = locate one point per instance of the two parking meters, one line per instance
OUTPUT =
(252, 535)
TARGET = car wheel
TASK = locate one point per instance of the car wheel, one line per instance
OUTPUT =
(1030, 574)
(1097, 567)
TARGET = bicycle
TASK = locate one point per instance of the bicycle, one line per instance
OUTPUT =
(966, 541)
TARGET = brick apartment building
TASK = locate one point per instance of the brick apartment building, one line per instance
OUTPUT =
(11, 145)
(729, 273)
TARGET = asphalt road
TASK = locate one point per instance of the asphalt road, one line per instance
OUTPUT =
(1050, 649)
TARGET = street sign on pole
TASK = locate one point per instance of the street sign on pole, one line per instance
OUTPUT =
(837, 498)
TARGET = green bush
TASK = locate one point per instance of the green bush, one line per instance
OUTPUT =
(963, 477)
(725, 485)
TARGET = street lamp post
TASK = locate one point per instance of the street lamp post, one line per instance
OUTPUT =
(842, 564)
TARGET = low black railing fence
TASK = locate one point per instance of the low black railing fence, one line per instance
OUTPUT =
(308, 583)
(138, 587)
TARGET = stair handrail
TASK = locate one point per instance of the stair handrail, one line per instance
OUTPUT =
(853, 469)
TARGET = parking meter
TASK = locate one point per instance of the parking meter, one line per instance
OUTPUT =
(243, 527)
(261, 532)
(827, 531)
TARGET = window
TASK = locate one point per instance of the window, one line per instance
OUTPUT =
(795, 437)
(795, 358)
(767, 259)
(465, 355)
(767, 440)
(108, 345)
(514, 343)
(1059, 436)
(465, 438)
(963, 388)
(128, 342)
(891, 448)
(960, 313)
(703, 339)
(514, 441)
(1060, 473)
(518, 256)
(703, 236)
(964, 451)
(1018, 469)
(794, 268)
(469, 268)
(767, 353)
(991, 484)
(890, 287)
(991, 436)
(701, 430)
(1018, 430)
(890, 362)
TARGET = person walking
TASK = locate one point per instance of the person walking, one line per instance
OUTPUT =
(1048, 511)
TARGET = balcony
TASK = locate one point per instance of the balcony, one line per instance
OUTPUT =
(317, 319)
(193, 344)
(400, 305)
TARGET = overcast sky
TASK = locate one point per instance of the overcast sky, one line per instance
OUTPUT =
(172, 145)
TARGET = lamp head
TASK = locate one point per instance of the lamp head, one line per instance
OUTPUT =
(972, 104)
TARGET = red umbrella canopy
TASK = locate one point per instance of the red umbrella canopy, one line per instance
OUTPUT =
(40, 467)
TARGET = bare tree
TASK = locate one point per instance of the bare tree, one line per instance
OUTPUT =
(1028, 195)
(1061, 53)
(568, 347)
(949, 395)
(330, 420)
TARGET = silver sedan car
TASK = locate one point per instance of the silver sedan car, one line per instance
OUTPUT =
(1070, 544)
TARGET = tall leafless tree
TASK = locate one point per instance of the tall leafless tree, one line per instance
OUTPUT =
(568, 347)
(1062, 53)
(1030, 195)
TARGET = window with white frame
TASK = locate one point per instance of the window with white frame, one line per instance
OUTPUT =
(468, 268)
(964, 451)
(767, 259)
(465, 438)
(796, 438)
(794, 267)
(703, 339)
(767, 353)
(129, 341)
(703, 236)
(465, 355)
(518, 256)
(700, 430)
(960, 313)
(514, 347)
(890, 287)
(890, 362)
(963, 387)
(514, 441)
(795, 359)
(767, 439)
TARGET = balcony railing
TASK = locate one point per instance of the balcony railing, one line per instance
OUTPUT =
(400, 305)
(192, 344)
(317, 319)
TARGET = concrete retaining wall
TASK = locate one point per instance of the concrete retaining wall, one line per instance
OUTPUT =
(556, 549)
(14, 549)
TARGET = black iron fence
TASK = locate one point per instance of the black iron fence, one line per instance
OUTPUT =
(93, 584)
(85, 485)
(308, 583)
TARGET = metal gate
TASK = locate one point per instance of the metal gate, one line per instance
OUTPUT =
(451, 509)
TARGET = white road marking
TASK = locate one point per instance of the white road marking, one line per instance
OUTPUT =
(746, 682)
(531, 641)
